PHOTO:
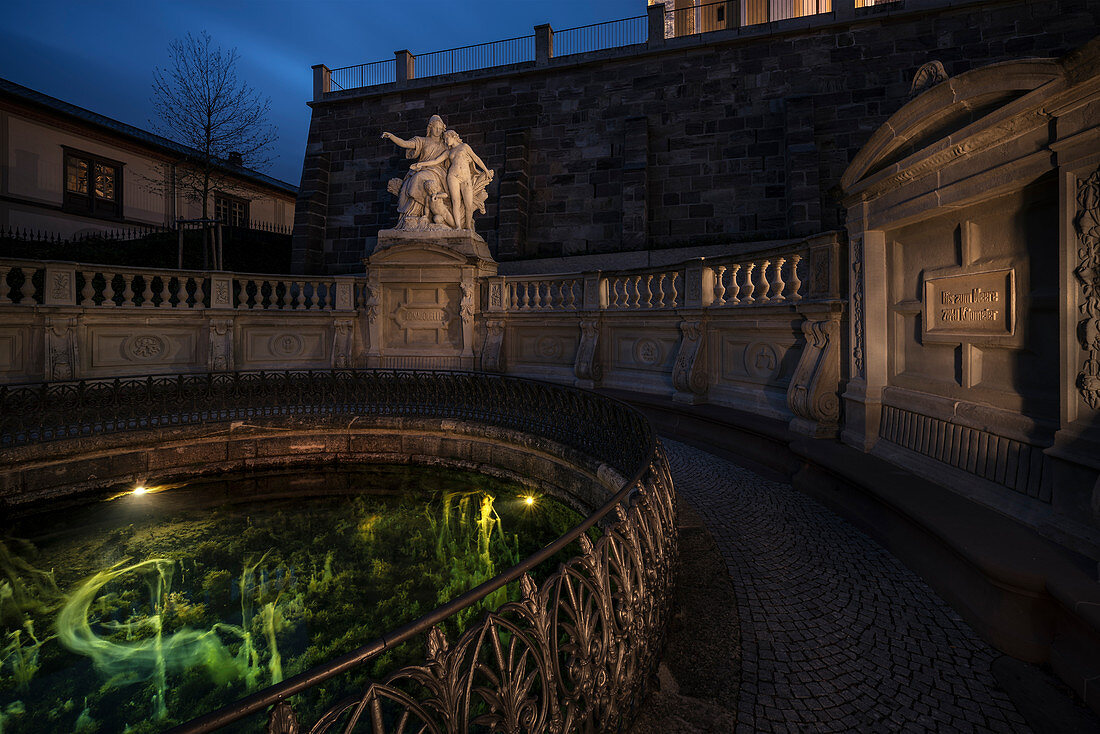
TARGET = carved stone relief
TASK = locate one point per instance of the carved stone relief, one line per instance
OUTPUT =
(61, 352)
(857, 305)
(220, 356)
(647, 351)
(1087, 226)
(927, 76)
(813, 392)
(286, 345)
(342, 343)
(689, 374)
(491, 348)
(587, 366)
(761, 361)
(145, 348)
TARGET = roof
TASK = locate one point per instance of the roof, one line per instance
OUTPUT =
(18, 91)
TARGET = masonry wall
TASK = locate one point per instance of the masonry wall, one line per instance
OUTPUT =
(713, 139)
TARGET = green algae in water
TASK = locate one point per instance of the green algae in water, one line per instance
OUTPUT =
(145, 611)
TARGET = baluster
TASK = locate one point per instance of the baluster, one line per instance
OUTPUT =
(4, 285)
(675, 292)
(315, 299)
(300, 299)
(750, 287)
(719, 286)
(763, 285)
(127, 290)
(523, 295)
(147, 293)
(165, 298)
(649, 291)
(181, 292)
(200, 294)
(87, 292)
(637, 283)
(734, 287)
(777, 280)
(543, 300)
(661, 290)
(572, 305)
(794, 285)
(108, 290)
(31, 297)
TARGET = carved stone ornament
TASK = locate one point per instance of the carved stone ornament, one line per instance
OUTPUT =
(857, 304)
(220, 356)
(587, 366)
(444, 186)
(927, 77)
(342, 343)
(689, 374)
(145, 347)
(491, 347)
(813, 393)
(1087, 226)
(61, 350)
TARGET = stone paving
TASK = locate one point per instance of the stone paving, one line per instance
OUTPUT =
(836, 634)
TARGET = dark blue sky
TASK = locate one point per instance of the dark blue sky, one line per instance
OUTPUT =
(100, 54)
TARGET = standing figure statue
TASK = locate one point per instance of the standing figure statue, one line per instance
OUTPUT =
(412, 193)
(446, 184)
(467, 178)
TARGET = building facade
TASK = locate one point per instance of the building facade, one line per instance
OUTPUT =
(70, 172)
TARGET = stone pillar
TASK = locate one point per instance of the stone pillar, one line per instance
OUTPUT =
(544, 44)
(514, 196)
(322, 81)
(655, 35)
(406, 66)
(868, 308)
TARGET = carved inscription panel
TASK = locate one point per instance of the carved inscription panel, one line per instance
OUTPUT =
(971, 305)
(421, 317)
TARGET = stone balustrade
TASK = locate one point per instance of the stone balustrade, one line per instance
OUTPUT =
(757, 331)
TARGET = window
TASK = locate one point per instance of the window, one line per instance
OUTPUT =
(93, 185)
(231, 210)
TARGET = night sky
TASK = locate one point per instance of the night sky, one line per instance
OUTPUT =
(100, 55)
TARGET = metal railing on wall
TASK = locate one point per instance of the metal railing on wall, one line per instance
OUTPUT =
(600, 36)
(478, 56)
(662, 22)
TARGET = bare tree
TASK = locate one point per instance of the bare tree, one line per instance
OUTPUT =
(200, 103)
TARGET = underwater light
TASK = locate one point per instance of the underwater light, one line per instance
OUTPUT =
(529, 500)
(139, 490)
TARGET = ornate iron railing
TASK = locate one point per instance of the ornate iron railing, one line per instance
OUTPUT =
(572, 654)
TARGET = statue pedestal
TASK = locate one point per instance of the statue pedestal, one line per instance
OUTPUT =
(425, 289)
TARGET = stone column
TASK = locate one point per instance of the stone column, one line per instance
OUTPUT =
(322, 81)
(655, 35)
(406, 66)
(544, 44)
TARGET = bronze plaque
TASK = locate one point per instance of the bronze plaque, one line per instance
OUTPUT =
(970, 305)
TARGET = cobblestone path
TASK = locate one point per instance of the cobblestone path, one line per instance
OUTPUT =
(836, 634)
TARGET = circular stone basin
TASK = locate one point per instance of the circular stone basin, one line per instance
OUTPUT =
(141, 611)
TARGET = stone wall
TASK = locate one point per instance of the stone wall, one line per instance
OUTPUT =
(718, 138)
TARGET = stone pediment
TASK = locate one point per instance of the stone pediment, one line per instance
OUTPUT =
(956, 116)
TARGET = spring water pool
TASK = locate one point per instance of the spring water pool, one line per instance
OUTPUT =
(151, 606)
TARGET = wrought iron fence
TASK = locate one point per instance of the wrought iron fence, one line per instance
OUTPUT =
(599, 36)
(572, 654)
(479, 56)
(364, 75)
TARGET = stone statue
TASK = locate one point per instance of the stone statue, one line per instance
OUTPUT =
(444, 186)
(467, 178)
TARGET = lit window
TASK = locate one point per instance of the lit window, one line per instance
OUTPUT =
(93, 185)
(231, 211)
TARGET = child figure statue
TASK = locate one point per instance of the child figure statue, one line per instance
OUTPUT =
(467, 178)
(437, 205)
